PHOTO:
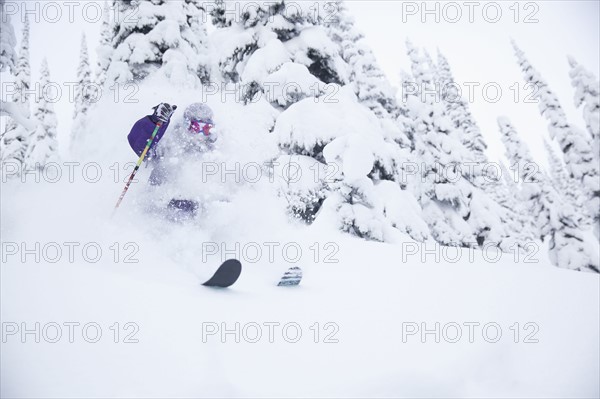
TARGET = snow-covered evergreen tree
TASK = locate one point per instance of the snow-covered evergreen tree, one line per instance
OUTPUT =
(458, 110)
(563, 183)
(427, 59)
(8, 42)
(519, 223)
(105, 49)
(281, 52)
(42, 142)
(164, 35)
(388, 177)
(570, 246)
(346, 145)
(196, 17)
(587, 95)
(370, 84)
(489, 216)
(83, 94)
(217, 14)
(23, 71)
(14, 139)
(444, 194)
(575, 144)
(372, 88)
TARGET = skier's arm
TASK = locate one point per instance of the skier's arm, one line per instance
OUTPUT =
(142, 129)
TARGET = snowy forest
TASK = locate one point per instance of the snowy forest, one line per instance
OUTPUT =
(383, 154)
(409, 216)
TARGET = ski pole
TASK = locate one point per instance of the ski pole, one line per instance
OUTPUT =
(139, 162)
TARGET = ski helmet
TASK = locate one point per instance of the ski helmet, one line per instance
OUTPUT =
(198, 112)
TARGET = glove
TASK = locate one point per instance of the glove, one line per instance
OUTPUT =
(213, 136)
(163, 112)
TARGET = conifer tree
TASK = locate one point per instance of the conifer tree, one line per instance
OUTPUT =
(576, 145)
(14, 140)
(84, 92)
(444, 195)
(165, 36)
(587, 96)
(554, 218)
(43, 146)
(105, 49)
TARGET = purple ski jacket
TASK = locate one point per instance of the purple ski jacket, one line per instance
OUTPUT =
(141, 133)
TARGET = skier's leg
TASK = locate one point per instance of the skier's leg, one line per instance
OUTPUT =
(187, 206)
(159, 175)
(180, 210)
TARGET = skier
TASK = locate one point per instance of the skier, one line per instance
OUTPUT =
(190, 137)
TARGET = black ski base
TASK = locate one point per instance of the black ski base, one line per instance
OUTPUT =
(226, 275)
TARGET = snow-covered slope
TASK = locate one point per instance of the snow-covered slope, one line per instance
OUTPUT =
(371, 298)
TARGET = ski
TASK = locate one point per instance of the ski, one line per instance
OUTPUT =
(292, 277)
(226, 275)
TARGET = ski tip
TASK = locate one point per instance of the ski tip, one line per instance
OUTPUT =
(291, 278)
(233, 263)
(226, 275)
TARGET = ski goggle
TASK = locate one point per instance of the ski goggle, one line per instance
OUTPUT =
(199, 126)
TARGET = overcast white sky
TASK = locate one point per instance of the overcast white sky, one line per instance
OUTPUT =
(478, 51)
